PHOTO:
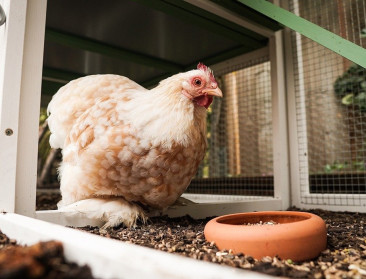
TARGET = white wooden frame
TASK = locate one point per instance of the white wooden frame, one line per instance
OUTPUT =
(300, 191)
(21, 57)
(299, 168)
(292, 118)
(279, 119)
(229, 15)
(206, 205)
(11, 58)
(28, 122)
(21, 74)
(110, 258)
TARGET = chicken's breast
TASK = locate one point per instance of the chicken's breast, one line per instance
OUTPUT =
(104, 156)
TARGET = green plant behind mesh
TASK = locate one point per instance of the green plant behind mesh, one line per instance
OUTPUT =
(351, 87)
(336, 167)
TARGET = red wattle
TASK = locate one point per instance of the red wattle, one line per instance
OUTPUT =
(204, 101)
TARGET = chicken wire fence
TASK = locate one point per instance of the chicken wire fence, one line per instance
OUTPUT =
(239, 160)
(330, 106)
(330, 103)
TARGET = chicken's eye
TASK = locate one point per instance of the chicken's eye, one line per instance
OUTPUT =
(197, 82)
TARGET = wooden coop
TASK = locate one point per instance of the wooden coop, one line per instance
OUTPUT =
(290, 130)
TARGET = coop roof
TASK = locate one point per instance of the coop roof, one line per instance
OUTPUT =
(143, 39)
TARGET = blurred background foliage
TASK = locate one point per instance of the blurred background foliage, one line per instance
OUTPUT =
(351, 87)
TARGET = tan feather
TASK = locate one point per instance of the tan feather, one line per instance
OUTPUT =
(123, 142)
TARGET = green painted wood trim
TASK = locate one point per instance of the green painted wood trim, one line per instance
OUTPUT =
(92, 45)
(203, 19)
(60, 74)
(314, 32)
(50, 87)
(249, 13)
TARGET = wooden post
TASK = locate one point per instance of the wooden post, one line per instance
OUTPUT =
(281, 167)
(30, 98)
(11, 59)
(21, 56)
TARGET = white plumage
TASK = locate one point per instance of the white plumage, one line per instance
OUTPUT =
(124, 145)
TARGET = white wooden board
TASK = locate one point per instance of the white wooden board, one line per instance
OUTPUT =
(110, 258)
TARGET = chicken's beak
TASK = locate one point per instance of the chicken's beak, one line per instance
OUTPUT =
(212, 91)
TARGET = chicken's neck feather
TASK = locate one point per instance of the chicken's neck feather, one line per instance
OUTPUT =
(165, 116)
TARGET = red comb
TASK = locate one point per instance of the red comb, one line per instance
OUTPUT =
(206, 69)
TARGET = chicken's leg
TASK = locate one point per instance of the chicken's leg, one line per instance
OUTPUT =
(114, 211)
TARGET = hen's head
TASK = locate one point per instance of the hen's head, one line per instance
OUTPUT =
(200, 86)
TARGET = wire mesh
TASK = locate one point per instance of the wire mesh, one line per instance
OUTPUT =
(239, 160)
(331, 106)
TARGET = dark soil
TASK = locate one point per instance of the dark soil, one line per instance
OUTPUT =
(47, 199)
(345, 256)
(42, 260)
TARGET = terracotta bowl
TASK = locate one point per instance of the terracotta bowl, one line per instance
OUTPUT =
(294, 235)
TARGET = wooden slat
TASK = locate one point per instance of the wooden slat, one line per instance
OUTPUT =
(248, 186)
(92, 45)
(203, 19)
(248, 13)
(11, 59)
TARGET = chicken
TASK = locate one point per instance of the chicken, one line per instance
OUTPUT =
(124, 146)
